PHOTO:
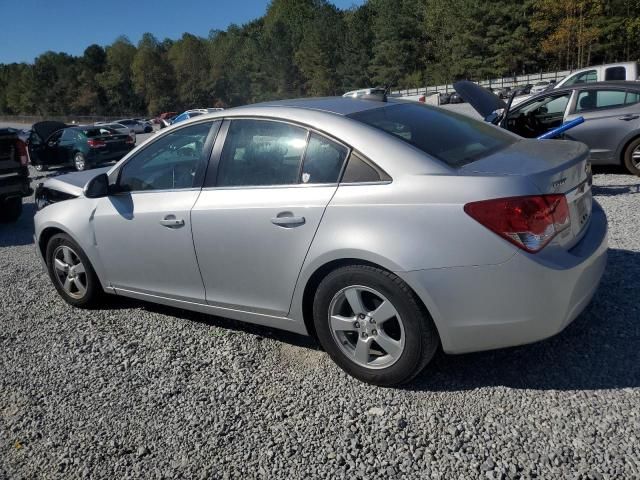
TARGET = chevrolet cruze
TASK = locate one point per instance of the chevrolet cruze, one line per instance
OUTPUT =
(383, 228)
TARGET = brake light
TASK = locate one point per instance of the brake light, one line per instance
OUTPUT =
(21, 149)
(528, 222)
(130, 139)
(93, 143)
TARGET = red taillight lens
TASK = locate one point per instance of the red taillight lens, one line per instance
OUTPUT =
(528, 222)
(422, 98)
(130, 139)
(21, 149)
(96, 143)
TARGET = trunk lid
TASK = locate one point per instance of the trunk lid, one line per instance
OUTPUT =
(556, 166)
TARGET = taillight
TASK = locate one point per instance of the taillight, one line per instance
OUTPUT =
(93, 143)
(422, 98)
(21, 149)
(528, 222)
(130, 139)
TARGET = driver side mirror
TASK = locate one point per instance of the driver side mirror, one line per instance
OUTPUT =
(97, 187)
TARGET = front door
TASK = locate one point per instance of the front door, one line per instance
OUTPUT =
(254, 224)
(143, 232)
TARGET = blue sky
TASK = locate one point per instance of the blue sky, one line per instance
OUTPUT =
(31, 27)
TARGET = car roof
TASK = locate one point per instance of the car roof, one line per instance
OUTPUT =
(626, 84)
(336, 105)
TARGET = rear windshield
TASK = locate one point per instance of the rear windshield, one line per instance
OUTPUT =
(100, 131)
(451, 138)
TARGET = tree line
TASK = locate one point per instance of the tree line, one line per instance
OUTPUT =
(310, 48)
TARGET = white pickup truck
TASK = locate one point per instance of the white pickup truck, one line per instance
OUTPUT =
(601, 73)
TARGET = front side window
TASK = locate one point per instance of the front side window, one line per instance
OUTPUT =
(596, 99)
(451, 138)
(632, 97)
(323, 160)
(261, 153)
(584, 77)
(175, 161)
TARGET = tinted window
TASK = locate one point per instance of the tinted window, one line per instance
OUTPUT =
(100, 131)
(323, 160)
(584, 77)
(593, 99)
(632, 97)
(359, 171)
(551, 105)
(258, 152)
(71, 134)
(174, 161)
(615, 73)
(454, 139)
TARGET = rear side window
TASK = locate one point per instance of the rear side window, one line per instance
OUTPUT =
(595, 99)
(615, 73)
(451, 138)
(261, 152)
(632, 97)
(323, 160)
(360, 171)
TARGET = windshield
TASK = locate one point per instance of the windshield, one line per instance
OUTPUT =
(451, 138)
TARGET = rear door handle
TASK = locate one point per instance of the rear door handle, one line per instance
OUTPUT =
(631, 116)
(286, 219)
(172, 222)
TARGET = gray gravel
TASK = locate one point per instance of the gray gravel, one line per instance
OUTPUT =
(141, 391)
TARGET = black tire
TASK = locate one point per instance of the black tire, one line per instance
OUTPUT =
(148, 129)
(632, 166)
(10, 209)
(421, 338)
(79, 161)
(93, 292)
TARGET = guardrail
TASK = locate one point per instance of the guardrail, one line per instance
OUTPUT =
(491, 83)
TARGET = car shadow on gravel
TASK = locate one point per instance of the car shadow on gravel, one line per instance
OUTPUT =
(20, 232)
(599, 350)
(612, 190)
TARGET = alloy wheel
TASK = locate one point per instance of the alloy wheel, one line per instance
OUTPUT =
(70, 272)
(635, 157)
(366, 327)
(79, 161)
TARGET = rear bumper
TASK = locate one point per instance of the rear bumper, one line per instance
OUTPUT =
(523, 300)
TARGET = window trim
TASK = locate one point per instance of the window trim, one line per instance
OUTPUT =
(206, 154)
(211, 180)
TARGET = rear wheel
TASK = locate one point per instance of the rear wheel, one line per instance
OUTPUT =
(79, 161)
(631, 157)
(373, 326)
(10, 209)
(71, 272)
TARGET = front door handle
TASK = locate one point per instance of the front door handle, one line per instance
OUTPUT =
(287, 220)
(631, 116)
(172, 222)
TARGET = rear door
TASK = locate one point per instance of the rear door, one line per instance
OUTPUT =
(610, 115)
(259, 211)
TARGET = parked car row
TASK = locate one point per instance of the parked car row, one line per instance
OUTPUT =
(169, 118)
(611, 113)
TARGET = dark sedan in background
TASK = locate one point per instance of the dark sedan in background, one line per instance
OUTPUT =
(54, 143)
(611, 112)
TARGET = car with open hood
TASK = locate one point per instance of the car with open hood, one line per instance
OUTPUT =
(384, 228)
(611, 113)
(57, 144)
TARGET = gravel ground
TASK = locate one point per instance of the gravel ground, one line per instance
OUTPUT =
(140, 391)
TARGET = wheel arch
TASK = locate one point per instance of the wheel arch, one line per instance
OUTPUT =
(625, 144)
(325, 269)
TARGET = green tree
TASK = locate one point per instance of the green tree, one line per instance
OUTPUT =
(152, 75)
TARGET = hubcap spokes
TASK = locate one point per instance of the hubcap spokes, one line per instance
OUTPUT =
(366, 326)
(70, 271)
(635, 157)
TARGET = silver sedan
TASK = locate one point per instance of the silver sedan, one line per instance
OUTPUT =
(383, 228)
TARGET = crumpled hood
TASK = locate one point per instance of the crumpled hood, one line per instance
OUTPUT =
(73, 183)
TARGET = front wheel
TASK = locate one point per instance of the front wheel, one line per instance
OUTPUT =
(373, 326)
(79, 161)
(71, 272)
(632, 157)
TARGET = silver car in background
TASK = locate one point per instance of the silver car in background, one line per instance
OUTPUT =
(383, 228)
